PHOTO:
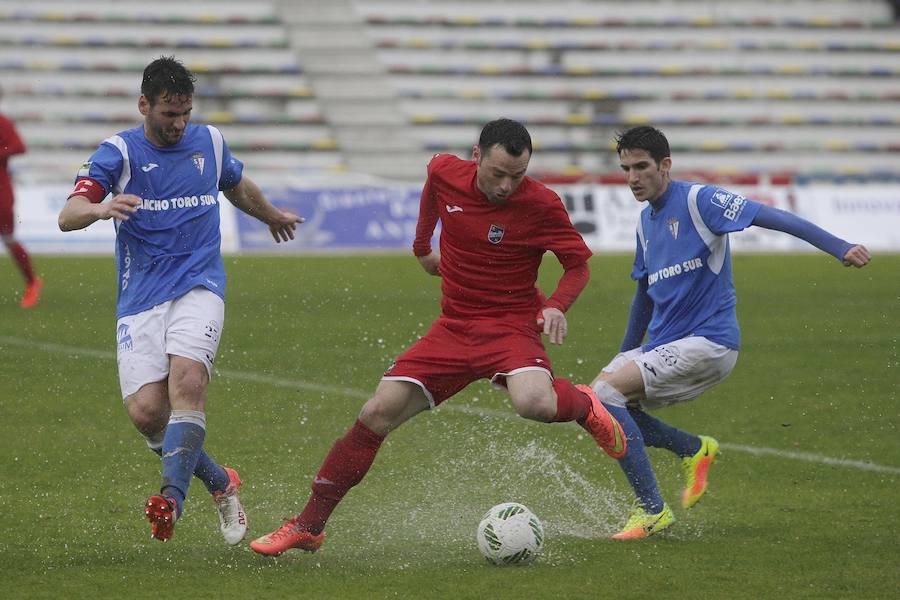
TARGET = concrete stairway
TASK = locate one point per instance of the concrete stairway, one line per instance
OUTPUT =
(352, 88)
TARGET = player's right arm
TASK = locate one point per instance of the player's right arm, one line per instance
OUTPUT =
(93, 183)
(429, 258)
(638, 317)
(641, 312)
(80, 211)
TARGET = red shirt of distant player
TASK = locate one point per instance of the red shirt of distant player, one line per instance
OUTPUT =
(10, 144)
(491, 253)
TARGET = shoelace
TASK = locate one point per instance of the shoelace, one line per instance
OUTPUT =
(228, 510)
(290, 526)
(636, 512)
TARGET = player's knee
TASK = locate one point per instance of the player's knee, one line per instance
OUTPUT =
(608, 394)
(393, 404)
(536, 405)
(147, 418)
(380, 415)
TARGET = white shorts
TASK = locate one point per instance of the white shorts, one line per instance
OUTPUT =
(678, 371)
(187, 326)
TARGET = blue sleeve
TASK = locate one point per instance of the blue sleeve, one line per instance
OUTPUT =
(723, 211)
(104, 166)
(232, 169)
(638, 317)
(780, 220)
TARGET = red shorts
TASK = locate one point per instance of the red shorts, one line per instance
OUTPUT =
(454, 353)
(7, 221)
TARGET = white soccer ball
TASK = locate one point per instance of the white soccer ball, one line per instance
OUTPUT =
(510, 534)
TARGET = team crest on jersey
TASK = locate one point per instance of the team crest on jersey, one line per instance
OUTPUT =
(495, 234)
(673, 227)
(197, 158)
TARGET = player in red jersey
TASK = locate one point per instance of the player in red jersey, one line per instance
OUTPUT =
(496, 226)
(10, 145)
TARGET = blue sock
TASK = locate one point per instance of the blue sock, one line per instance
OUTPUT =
(211, 473)
(636, 463)
(180, 451)
(208, 471)
(659, 434)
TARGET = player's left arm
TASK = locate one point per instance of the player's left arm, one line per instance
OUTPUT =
(558, 235)
(247, 196)
(553, 314)
(723, 212)
(855, 255)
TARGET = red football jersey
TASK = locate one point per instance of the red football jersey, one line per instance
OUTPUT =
(490, 253)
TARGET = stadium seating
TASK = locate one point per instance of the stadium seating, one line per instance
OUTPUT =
(71, 77)
(805, 86)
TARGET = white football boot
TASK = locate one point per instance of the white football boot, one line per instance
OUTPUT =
(232, 518)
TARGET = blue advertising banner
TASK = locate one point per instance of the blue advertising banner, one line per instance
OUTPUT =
(353, 218)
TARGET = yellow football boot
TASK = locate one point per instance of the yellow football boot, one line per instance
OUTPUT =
(642, 524)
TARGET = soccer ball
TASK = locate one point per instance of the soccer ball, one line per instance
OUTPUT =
(510, 534)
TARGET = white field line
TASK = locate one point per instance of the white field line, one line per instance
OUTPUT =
(54, 348)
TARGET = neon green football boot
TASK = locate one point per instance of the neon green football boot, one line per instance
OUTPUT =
(695, 469)
(642, 524)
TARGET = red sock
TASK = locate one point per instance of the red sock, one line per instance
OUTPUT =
(21, 258)
(345, 466)
(571, 404)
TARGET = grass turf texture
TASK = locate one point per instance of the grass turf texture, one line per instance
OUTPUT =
(306, 340)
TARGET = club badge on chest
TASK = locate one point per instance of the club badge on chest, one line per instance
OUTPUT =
(495, 234)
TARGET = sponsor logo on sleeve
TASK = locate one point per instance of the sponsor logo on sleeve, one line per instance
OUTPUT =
(85, 170)
(732, 205)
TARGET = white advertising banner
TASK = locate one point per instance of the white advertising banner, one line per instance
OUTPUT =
(37, 209)
(606, 215)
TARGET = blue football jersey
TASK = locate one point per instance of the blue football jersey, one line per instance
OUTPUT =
(683, 251)
(172, 243)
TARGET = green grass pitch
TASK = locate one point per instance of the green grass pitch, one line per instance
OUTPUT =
(306, 340)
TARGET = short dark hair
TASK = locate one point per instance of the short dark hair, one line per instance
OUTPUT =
(644, 137)
(510, 134)
(166, 76)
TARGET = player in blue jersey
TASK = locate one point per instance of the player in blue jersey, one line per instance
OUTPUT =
(163, 178)
(685, 304)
